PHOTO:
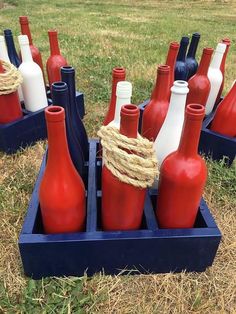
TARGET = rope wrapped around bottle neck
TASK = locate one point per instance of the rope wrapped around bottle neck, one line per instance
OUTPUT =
(131, 160)
(10, 80)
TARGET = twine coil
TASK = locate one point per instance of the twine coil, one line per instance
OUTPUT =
(10, 80)
(131, 160)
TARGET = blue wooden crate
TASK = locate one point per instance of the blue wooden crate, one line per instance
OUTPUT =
(211, 144)
(79, 100)
(23, 132)
(148, 250)
(215, 145)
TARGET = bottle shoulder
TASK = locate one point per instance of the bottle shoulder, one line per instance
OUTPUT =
(30, 67)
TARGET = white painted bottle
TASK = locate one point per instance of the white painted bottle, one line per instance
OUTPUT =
(167, 140)
(33, 84)
(4, 56)
(3, 50)
(123, 97)
(215, 76)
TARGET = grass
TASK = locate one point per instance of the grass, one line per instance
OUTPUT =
(95, 36)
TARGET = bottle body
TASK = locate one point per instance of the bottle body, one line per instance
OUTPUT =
(168, 138)
(215, 76)
(60, 97)
(191, 61)
(61, 193)
(182, 176)
(199, 84)
(122, 203)
(181, 69)
(156, 110)
(10, 108)
(68, 76)
(225, 115)
(33, 83)
(56, 60)
(118, 74)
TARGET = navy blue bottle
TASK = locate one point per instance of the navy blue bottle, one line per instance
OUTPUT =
(181, 69)
(68, 76)
(13, 56)
(190, 60)
(60, 97)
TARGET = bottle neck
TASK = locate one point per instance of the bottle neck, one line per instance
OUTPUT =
(188, 145)
(69, 79)
(26, 53)
(182, 51)
(222, 66)
(216, 61)
(115, 80)
(58, 153)
(54, 46)
(25, 30)
(129, 122)
(161, 92)
(193, 47)
(10, 45)
(119, 103)
(204, 63)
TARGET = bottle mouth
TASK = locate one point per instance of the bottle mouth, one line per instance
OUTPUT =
(54, 114)
(226, 41)
(7, 32)
(23, 39)
(174, 45)
(208, 50)
(180, 87)
(118, 72)
(185, 39)
(130, 110)
(52, 32)
(195, 111)
(124, 89)
(221, 47)
(67, 69)
(23, 19)
(196, 35)
(163, 69)
(59, 86)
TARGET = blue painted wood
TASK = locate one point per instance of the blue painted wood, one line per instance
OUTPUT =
(23, 132)
(215, 145)
(148, 250)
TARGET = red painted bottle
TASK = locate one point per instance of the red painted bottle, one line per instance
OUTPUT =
(122, 204)
(10, 107)
(156, 110)
(224, 121)
(222, 66)
(118, 74)
(199, 84)
(182, 176)
(62, 192)
(171, 59)
(25, 30)
(56, 60)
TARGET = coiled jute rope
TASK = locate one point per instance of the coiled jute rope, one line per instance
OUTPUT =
(10, 79)
(131, 160)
